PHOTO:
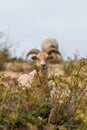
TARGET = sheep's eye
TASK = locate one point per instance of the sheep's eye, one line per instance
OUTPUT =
(34, 57)
(50, 57)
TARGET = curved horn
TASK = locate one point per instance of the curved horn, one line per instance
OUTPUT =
(32, 51)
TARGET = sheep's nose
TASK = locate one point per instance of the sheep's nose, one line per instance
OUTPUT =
(43, 65)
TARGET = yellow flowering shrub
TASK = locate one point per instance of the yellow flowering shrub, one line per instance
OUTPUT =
(13, 116)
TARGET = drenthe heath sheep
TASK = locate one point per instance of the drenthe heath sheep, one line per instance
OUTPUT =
(42, 59)
(50, 43)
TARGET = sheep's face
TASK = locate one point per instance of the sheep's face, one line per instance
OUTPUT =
(42, 60)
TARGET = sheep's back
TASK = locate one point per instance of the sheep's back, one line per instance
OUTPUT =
(49, 43)
(26, 79)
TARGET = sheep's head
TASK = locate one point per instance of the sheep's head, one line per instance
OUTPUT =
(42, 58)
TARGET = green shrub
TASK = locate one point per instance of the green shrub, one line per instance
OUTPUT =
(34, 107)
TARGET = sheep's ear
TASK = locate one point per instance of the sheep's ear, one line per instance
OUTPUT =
(50, 57)
(34, 58)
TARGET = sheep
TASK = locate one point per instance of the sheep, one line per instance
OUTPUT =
(42, 60)
(51, 43)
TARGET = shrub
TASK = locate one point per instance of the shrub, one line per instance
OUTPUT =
(35, 107)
